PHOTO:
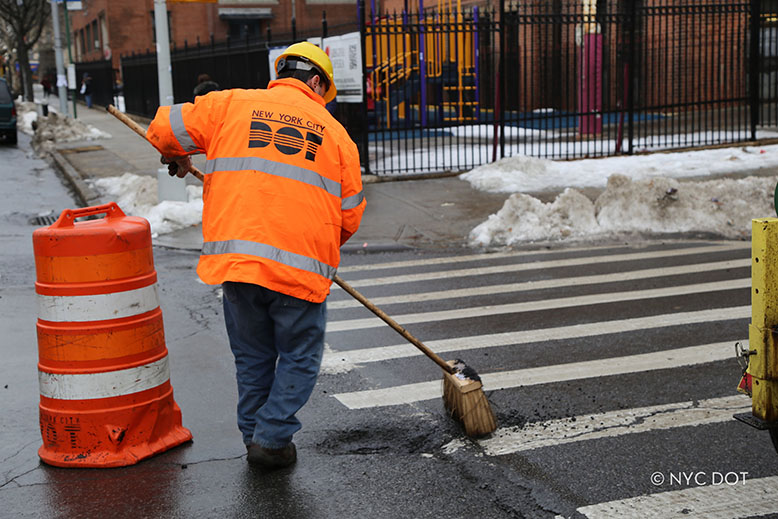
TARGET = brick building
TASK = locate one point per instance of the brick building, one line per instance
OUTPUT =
(108, 29)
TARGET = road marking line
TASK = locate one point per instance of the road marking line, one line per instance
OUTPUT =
(666, 359)
(537, 265)
(482, 256)
(613, 423)
(334, 359)
(728, 245)
(546, 283)
(751, 498)
(544, 304)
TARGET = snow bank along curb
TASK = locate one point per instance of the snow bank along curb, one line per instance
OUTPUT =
(658, 205)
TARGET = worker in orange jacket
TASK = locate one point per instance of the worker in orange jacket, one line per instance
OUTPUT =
(282, 192)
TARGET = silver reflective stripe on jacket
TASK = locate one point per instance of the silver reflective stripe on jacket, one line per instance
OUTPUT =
(179, 129)
(263, 250)
(350, 202)
(271, 167)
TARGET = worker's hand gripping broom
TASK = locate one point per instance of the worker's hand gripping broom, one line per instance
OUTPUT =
(463, 393)
(137, 128)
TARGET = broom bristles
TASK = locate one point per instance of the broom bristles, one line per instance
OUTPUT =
(465, 400)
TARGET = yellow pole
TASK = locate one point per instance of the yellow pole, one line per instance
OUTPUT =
(763, 330)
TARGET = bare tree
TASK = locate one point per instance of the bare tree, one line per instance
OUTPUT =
(24, 22)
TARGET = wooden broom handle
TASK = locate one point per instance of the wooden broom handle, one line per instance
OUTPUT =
(391, 322)
(137, 128)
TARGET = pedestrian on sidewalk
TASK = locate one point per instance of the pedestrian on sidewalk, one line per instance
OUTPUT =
(282, 193)
(86, 89)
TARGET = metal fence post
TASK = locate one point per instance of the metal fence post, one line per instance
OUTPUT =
(629, 73)
(756, 10)
(422, 68)
(363, 37)
(501, 78)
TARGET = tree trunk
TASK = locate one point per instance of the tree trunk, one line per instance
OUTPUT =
(23, 57)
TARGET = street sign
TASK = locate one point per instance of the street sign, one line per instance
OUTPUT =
(72, 76)
(72, 5)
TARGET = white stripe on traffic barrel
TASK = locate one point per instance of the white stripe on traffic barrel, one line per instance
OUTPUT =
(87, 386)
(98, 307)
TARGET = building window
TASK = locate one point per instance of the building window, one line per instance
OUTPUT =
(104, 43)
(96, 36)
(243, 29)
(88, 38)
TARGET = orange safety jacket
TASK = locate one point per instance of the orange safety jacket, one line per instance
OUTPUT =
(282, 189)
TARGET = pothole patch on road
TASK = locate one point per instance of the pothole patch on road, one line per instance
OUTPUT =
(378, 440)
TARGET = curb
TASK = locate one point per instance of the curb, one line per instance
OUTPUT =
(367, 248)
(377, 179)
(85, 194)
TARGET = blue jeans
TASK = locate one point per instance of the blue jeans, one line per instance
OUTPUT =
(278, 342)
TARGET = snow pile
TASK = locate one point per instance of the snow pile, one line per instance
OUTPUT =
(26, 114)
(54, 127)
(527, 174)
(628, 205)
(137, 196)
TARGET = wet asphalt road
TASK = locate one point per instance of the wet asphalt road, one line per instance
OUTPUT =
(411, 460)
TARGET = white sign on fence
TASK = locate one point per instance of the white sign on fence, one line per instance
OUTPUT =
(346, 56)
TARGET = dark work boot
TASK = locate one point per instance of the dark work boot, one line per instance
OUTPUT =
(271, 458)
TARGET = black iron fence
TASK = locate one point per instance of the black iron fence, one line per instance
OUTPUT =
(102, 82)
(456, 88)
(233, 63)
(450, 89)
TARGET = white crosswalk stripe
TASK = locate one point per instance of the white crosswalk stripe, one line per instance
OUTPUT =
(613, 423)
(743, 498)
(410, 393)
(537, 265)
(545, 284)
(334, 359)
(546, 304)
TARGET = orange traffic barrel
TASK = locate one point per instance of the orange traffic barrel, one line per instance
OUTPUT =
(105, 393)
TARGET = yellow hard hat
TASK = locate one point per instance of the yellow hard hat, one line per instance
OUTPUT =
(307, 52)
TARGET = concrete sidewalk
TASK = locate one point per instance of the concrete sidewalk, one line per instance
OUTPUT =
(429, 213)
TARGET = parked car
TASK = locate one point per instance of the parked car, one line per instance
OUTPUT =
(7, 113)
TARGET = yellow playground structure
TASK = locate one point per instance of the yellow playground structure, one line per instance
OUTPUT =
(425, 64)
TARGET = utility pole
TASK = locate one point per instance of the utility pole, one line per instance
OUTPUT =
(71, 64)
(62, 82)
(164, 69)
(167, 188)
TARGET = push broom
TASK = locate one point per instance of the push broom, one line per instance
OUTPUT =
(463, 394)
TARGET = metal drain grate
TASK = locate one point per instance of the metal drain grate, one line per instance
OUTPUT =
(47, 219)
